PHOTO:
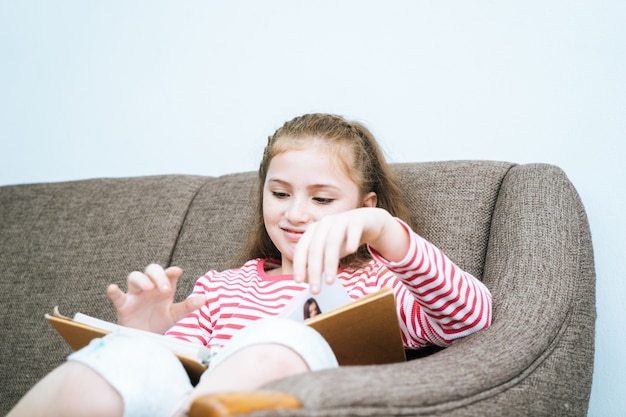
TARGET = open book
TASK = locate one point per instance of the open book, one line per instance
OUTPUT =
(361, 332)
(81, 329)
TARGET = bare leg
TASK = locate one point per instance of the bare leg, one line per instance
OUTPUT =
(72, 389)
(250, 368)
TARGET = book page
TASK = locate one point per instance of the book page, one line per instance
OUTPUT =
(182, 347)
(306, 304)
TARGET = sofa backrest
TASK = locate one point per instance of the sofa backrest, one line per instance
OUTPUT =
(452, 204)
(215, 228)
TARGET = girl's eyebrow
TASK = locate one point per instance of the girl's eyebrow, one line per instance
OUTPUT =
(311, 187)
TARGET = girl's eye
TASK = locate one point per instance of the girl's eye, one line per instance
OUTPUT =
(322, 200)
(279, 194)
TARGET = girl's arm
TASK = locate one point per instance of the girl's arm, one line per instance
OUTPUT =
(437, 301)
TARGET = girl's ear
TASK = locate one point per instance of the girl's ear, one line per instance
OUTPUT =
(370, 199)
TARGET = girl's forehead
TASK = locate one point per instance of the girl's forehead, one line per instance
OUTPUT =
(313, 162)
(336, 151)
(309, 155)
(300, 143)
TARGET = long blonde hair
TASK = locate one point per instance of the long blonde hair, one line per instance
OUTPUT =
(359, 152)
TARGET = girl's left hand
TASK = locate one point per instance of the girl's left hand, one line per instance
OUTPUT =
(149, 303)
(317, 254)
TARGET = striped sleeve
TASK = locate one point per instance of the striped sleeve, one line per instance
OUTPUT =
(438, 302)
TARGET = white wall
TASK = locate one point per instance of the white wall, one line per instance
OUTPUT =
(90, 89)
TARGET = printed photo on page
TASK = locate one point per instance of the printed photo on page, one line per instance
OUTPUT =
(306, 305)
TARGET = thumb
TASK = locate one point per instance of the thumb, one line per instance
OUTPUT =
(190, 304)
(116, 296)
(194, 302)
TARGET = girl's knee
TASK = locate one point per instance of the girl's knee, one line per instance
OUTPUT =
(287, 337)
(278, 359)
(251, 367)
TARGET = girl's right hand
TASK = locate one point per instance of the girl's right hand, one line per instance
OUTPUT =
(149, 303)
(325, 242)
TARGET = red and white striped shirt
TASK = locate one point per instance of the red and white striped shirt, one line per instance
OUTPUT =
(437, 302)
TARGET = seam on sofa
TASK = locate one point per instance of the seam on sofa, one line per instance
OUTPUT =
(184, 220)
(493, 208)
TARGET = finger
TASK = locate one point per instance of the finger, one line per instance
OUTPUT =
(332, 254)
(315, 255)
(300, 258)
(182, 309)
(116, 296)
(157, 275)
(138, 282)
(173, 273)
(353, 238)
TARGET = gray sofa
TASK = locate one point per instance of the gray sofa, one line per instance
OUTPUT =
(519, 228)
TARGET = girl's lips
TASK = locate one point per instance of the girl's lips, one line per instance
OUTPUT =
(293, 235)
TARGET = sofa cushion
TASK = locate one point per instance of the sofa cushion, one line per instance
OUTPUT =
(62, 244)
(216, 226)
(452, 203)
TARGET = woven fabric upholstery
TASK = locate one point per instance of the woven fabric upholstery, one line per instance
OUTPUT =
(452, 206)
(62, 244)
(216, 227)
(519, 228)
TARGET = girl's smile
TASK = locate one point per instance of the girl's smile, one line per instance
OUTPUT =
(292, 234)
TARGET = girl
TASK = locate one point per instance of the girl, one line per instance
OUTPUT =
(329, 209)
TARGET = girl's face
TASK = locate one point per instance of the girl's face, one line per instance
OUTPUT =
(301, 187)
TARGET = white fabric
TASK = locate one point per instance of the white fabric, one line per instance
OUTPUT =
(153, 383)
(302, 339)
(149, 378)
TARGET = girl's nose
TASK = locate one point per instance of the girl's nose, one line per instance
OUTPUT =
(297, 212)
